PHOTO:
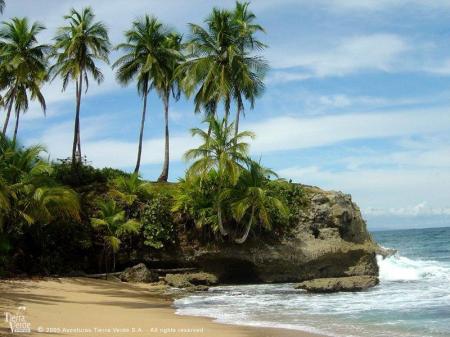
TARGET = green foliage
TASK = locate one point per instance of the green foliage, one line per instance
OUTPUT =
(32, 201)
(254, 199)
(158, 222)
(294, 197)
(23, 67)
(194, 199)
(111, 221)
(84, 175)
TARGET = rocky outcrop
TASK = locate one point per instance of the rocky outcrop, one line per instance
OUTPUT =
(197, 281)
(330, 285)
(139, 274)
(329, 239)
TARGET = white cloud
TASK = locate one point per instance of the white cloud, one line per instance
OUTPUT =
(288, 133)
(102, 151)
(381, 189)
(348, 55)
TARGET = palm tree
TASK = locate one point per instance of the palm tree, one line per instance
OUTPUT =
(169, 84)
(250, 70)
(131, 188)
(24, 66)
(223, 152)
(147, 57)
(254, 198)
(78, 46)
(29, 188)
(209, 68)
(112, 221)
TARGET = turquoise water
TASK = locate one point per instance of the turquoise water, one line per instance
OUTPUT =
(412, 300)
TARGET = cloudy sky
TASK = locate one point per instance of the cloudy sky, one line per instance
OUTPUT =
(357, 100)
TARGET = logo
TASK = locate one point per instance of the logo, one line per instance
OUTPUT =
(17, 321)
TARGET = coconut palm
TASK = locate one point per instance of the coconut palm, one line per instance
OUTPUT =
(223, 152)
(111, 220)
(254, 199)
(78, 47)
(147, 58)
(23, 66)
(249, 70)
(169, 84)
(209, 68)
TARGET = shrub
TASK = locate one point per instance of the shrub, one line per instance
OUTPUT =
(157, 221)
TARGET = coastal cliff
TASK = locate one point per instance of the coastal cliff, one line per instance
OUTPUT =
(329, 240)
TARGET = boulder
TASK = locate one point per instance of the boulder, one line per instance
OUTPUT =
(335, 284)
(138, 274)
(190, 280)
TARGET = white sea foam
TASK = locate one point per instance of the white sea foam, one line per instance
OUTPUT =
(399, 268)
(407, 290)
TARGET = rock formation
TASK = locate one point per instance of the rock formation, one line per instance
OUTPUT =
(138, 273)
(334, 284)
(330, 240)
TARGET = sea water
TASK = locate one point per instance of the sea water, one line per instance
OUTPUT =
(412, 300)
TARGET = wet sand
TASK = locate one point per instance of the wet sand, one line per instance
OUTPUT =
(90, 307)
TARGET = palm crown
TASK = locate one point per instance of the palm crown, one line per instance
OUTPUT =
(23, 66)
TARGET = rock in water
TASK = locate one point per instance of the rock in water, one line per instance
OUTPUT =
(139, 273)
(191, 280)
(330, 285)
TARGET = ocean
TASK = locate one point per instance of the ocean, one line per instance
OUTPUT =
(412, 300)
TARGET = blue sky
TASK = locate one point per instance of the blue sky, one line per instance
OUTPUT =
(357, 100)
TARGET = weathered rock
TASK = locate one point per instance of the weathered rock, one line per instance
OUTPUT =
(330, 239)
(330, 285)
(138, 273)
(197, 288)
(386, 252)
(191, 280)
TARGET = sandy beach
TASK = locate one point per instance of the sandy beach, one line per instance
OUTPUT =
(90, 307)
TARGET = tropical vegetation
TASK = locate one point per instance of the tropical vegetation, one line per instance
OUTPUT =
(66, 215)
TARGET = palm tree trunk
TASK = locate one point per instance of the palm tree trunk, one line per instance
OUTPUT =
(16, 127)
(220, 222)
(238, 114)
(8, 115)
(247, 230)
(76, 148)
(165, 171)
(141, 134)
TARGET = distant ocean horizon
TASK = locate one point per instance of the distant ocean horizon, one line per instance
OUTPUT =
(412, 300)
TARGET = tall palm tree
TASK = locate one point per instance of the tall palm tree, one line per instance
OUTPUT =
(23, 66)
(147, 57)
(169, 84)
(209, 68)
(111, 219)
(223, 152)
(254, 198)
(249, 69)
(78, 46)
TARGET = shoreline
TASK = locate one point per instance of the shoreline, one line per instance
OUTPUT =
(91, 307)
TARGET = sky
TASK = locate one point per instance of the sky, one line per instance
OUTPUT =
(357, 100)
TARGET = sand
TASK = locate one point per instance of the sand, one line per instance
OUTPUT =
(90, 307)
